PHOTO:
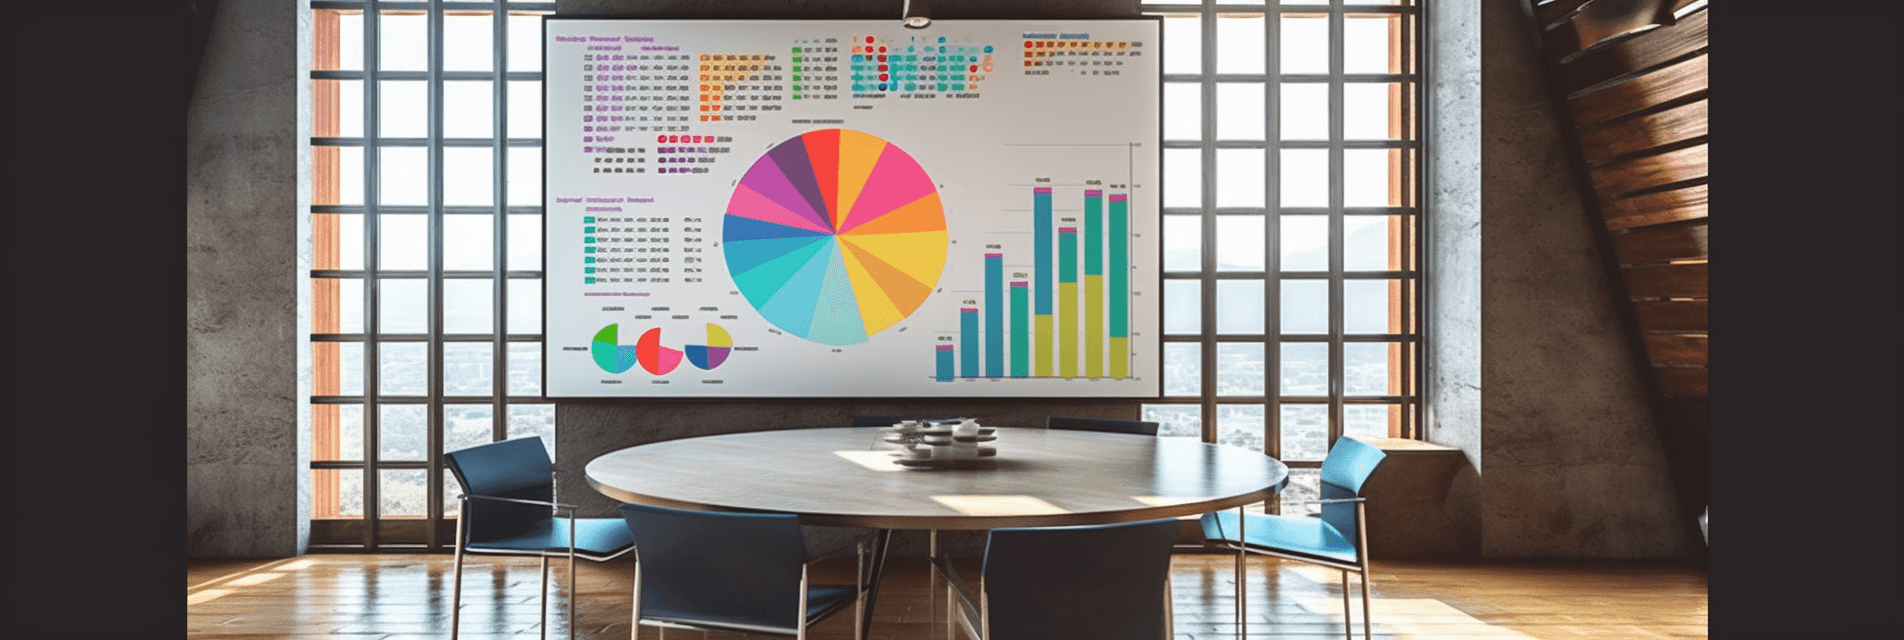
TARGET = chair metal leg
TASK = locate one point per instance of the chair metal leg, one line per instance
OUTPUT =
(544, 592)
(1362, 557)
(456, 591)
(801, 625)
(1242, 560)
(634, 619)
(1348, 620)
(571, 576)
(1367, 622)
(1170, 614)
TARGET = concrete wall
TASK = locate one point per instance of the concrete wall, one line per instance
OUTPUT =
(1528, 374)
(1452, 388)
(1566, 462)
(247, 487)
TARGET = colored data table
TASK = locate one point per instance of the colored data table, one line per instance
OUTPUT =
(846, 477)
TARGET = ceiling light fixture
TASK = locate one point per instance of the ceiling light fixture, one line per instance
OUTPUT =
(914, 13)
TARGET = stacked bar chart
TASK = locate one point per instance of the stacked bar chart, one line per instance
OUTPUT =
(1071, 317)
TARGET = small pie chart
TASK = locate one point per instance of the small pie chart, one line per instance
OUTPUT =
(654, 358)
(711, 355)
(609, 353)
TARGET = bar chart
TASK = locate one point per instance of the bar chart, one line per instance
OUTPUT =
(1064, 314)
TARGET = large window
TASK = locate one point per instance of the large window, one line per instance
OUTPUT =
(1292, 268)
(426, 269)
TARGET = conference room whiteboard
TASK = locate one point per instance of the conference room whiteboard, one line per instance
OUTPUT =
(826, 208)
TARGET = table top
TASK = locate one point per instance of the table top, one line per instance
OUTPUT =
(847, 477)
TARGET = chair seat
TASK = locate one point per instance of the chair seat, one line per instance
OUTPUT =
(822, 601)
(1294, 535)
(595, 539)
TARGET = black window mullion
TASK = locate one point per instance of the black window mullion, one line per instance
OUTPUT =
(1272, 227)
(1414, 172)
(499, 299)
(433, 390)
(1338, 196)
(1206, 155)
(373, 93)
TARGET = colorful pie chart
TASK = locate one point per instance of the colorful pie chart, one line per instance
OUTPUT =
(835, 235)
(654, 358)
(711, 355)
(609, 353)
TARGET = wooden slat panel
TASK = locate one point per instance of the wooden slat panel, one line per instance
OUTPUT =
(1659, 245)
(1546, 14)
(1645, 172)
(1642, 51)
(1682, 382)
(1558, 42)
(1680, 80)
(1684, 122)
(1655, 208)
(1668, 281)
(1671, 315)
(1664, 349)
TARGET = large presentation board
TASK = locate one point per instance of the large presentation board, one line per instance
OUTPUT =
(826, 208)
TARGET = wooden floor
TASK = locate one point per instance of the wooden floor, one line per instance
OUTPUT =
(395, 597)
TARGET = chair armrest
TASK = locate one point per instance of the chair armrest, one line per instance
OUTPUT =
(968, 598)
(1336, 500)
(557, 505)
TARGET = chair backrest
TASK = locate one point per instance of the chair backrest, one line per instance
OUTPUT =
(887, 421)
(518, 468)
(1348, 466)
(738, 569)
(1104, 582)
(1138, 427)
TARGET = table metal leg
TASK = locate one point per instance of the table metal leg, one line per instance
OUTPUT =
(880, 540)
(932, 578)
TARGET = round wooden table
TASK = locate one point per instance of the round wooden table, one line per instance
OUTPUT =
(846, 477)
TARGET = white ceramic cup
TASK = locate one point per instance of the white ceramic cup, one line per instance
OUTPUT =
(966, 427)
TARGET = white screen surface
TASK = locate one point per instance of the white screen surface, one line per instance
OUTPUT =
(851, 208)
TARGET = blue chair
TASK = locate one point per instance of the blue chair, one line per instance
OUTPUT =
(1138, 427)
(731, 572)
(1335, 539)
(1103, 582)
(508, 508)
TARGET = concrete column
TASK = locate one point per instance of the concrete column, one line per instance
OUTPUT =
(248, 443)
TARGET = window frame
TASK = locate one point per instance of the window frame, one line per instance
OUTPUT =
(1406, 217)
(371, 529)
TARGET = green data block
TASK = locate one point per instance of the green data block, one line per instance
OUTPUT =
(588, 260)
(588, 269)
(588, 219)
(588, 229)
(588, 249)
(588, 281)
